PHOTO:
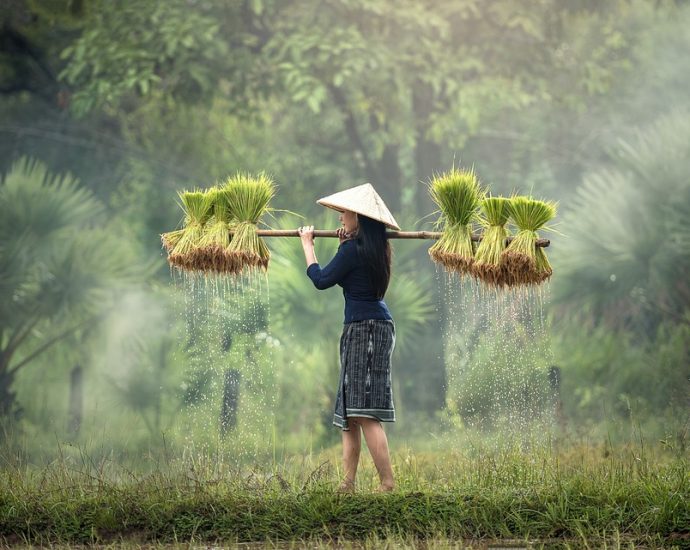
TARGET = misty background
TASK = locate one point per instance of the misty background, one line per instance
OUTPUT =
(107, 109)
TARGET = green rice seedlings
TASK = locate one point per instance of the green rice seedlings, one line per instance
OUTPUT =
(544, 269)
(247, 200)
(488, 266)
(197, 208)
(458, 195)
(170, 239)
(212, 254)
(524, 262)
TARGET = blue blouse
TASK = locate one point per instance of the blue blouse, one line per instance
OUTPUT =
(346, 270)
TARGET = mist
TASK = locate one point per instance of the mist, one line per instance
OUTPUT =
(108, 111)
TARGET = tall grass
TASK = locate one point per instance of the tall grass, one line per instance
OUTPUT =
(526, 494)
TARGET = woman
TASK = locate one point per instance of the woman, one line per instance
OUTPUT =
(362, 267)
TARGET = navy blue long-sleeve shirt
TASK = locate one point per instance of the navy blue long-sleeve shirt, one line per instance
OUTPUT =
(347, 271)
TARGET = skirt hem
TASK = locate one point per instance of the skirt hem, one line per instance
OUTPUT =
(381, 416)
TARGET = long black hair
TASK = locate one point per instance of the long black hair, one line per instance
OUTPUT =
(375, 251)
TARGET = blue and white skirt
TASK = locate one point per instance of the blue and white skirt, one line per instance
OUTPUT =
(365, 388)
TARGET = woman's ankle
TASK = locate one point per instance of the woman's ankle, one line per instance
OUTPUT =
(386, 486)
(347, 485)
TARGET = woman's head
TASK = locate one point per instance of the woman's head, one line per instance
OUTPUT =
(374, 249)
(348, 219)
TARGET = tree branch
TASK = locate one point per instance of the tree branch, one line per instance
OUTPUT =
(52, 341)
(16, 44)
(15, 340)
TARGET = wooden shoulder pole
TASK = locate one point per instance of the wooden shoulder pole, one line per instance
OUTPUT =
(391, 235)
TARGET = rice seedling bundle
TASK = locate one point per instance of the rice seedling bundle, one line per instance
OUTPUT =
(184, 243)
(212, 253)
(524, 262)
(171, 239)
(458, 195)
(247, 200)
(488, 266)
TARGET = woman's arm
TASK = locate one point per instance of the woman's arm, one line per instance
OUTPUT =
(306, 234)
(335, 271)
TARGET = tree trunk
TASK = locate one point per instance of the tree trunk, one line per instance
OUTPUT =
(9, 409)
(231, 398)
(384, 174)
(76, 400)
(388, 179)
(555, 385)
(427, 158)
(427, 154)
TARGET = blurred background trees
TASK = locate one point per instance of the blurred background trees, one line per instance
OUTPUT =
(62, 265)
(118, 105)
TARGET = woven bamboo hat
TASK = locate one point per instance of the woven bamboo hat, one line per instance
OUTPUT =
(364, 200)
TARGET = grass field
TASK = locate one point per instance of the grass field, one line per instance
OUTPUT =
(579, 497)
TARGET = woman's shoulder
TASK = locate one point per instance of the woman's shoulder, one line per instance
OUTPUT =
(348, 250)
(348, 246)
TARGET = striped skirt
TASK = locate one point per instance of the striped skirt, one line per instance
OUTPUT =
(364, 388)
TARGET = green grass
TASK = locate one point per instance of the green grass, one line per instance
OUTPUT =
(538, 495)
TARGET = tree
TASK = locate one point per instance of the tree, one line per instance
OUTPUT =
(411, 82)
(622, 283)
(628, 246)
(59, 269)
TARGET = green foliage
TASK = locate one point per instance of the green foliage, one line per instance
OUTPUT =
(622, 292)
(295, 303)
(57, 263)
(60, 270)
(130, 49)
(402, 80)
(610, 377)
(630, 268)
(174, 95)
(34, 213)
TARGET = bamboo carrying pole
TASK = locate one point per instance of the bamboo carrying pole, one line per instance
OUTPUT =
(391, 235)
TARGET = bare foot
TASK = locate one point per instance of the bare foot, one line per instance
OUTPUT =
(385, 488)
(347, 486)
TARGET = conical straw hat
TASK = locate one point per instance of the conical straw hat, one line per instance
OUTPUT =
(364, 200)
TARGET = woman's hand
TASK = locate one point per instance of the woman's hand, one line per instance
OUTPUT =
(306, 234)
(343, 235)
